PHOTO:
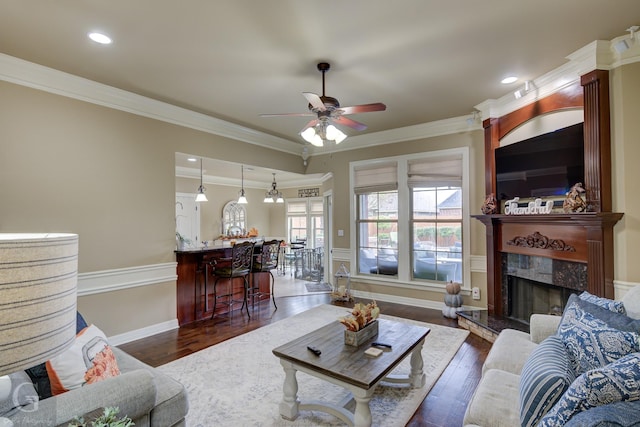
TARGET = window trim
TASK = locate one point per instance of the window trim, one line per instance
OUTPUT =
(403, 279)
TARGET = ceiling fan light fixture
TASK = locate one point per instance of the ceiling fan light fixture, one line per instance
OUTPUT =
(335, 134)
(310, 135)
(327, 108)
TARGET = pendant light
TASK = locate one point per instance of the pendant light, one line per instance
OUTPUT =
(273, 195)
(201, 197)
(242, 199)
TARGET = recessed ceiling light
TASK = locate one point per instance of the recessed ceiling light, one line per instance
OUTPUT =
(508, 80)
(192, 159)
(100, 38)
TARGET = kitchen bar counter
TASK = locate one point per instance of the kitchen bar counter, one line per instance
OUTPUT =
(193, 264)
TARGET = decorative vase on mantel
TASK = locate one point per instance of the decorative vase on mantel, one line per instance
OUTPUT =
(452, 300)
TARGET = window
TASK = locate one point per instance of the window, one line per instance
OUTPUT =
(435, 186)
(305, 221)
(377, 218)
(234, 219)
(409, 217)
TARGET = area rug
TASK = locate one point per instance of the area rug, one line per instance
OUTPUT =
(239, 382)
(317, 287)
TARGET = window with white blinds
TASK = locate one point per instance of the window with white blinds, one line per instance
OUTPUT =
(376, 178)
(439, 171)
(408, 217)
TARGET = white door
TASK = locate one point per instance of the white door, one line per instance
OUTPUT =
(188, 218)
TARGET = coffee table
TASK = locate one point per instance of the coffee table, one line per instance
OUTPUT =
(349, 367)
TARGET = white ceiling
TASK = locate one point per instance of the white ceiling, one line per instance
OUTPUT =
(427, 60)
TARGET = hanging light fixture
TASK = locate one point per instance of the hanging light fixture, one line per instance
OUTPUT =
(201, 197)
(323, 132)
(242, 199)
(273, 195)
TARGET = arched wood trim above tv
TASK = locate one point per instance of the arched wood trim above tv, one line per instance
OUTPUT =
(591, 94)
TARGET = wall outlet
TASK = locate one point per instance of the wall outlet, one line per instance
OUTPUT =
(340, 233)
(475, 293)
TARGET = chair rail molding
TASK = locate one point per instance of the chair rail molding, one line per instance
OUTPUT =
(98, 282)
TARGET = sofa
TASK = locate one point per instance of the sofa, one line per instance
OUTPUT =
(140, 392)
(556, 376)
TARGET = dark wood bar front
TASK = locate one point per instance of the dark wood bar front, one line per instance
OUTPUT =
(193, 265)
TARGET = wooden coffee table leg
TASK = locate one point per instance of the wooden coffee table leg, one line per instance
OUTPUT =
(289, 406)
(417, 377)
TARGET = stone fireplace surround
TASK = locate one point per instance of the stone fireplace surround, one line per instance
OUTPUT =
(532, 284)
(581, 237)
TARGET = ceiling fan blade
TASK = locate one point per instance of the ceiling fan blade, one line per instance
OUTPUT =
(310, 124)
(351, 123)
(288, 114)
(314, 100)
(364, 108)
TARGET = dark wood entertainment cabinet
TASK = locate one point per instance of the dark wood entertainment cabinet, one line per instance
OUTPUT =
(589, 235)
(190, 297)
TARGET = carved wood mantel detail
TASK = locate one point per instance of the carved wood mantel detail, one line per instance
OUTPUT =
(584, 237)
(540, 241)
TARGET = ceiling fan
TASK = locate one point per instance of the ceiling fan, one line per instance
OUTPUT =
(327, 111)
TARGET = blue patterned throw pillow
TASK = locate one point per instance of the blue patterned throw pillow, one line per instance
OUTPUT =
(546, 375)
(616, 382)
(609, 304)
(592, 343)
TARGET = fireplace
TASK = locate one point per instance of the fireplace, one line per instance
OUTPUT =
(534, 284)
(580, 238)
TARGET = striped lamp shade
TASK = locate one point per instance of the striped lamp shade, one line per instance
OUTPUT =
(38, 278)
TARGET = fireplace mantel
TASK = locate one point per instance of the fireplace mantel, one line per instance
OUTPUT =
(582, 237)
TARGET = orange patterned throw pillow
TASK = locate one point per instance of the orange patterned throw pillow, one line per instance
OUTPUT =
(89, 360)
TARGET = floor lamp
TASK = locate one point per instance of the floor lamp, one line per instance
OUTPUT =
(38, 282)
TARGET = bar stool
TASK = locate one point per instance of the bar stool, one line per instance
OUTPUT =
(265, 262)
(239, 265)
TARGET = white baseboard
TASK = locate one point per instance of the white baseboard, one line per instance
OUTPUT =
(145, 332)
(620, 287)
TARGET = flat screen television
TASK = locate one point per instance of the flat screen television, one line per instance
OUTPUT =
(546, 165)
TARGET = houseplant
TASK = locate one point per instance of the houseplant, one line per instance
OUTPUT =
(109, 418)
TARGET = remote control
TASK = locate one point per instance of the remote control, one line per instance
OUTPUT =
(314, 350)
(380, 344)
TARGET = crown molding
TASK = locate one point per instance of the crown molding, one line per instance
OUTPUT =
(298, 181)
(408, 133)
(598, 54)
(24, 73)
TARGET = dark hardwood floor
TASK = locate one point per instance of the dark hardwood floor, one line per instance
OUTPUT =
(444, 406)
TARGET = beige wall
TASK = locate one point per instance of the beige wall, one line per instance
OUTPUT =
(109, 176)
(625, 131)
